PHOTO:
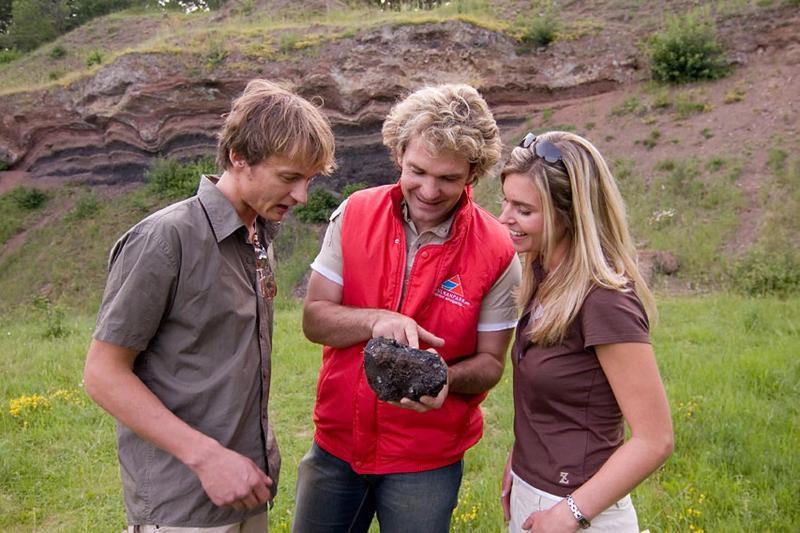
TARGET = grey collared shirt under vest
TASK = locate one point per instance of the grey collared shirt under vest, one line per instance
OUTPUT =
(181, 290)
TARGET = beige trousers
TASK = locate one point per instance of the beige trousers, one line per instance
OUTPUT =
(525, 499)
(255, 524)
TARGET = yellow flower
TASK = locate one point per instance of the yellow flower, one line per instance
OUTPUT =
(18, 406)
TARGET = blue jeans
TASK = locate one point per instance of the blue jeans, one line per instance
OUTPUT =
(331, 497)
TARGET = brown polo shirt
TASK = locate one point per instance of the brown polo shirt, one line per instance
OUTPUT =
(567, 422)
(181, 291)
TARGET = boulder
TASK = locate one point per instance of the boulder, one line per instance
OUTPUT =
(396, 371)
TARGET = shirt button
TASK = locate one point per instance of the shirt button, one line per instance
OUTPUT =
(424, 255)
(397, 241)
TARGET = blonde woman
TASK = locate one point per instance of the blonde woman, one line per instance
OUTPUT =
(582, 357)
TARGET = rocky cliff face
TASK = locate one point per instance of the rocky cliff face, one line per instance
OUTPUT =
(108, 128)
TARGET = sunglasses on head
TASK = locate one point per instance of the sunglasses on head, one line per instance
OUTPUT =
(542, 148)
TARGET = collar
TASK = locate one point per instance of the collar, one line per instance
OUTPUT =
(221, 214)
(462, 211)
(442, 230)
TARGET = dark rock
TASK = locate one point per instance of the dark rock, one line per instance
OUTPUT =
(396, 371)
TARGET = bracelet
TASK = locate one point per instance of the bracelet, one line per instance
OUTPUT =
(583, 522)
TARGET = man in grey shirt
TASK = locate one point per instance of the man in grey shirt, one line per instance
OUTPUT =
(181, 352)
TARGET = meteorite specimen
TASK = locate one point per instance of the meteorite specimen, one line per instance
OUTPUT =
(396, 371)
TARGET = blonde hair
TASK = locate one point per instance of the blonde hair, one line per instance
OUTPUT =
(448, 117)
(269, 120)
(582, 198)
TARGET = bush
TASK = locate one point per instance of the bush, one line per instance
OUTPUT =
(686, 50)
(95, 58)
(170, 178)
(52, 317)
(85, 207)
(540, 30)
(399, 5)
(9, 55)
(28, 198)
(318, 209)
(57, 52)
(350, 188)
(762, 274)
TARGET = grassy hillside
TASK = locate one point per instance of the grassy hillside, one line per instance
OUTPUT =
(242, 36)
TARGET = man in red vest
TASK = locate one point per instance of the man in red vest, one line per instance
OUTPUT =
(419, 262)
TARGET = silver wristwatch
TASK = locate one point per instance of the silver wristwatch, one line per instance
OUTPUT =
(583, 522)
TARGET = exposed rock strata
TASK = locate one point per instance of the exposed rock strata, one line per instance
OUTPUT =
(110, 127)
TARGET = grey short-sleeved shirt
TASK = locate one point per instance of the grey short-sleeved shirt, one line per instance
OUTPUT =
(181, 290)
(498, 309)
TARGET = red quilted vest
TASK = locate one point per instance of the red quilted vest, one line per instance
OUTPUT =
(445, 288)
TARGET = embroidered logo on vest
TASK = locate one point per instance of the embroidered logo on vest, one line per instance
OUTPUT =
(451, 290)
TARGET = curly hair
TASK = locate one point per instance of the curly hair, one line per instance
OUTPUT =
(448, 117)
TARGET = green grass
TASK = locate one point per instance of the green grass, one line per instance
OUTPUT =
(18, 208)
(685, 210)
(729, 365)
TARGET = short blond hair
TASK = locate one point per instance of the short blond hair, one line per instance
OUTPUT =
(269, 120)
(447, 117)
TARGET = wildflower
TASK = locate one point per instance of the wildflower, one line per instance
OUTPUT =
(18, 406)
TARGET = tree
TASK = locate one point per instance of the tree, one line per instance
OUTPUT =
(5, 15)
(34, 22)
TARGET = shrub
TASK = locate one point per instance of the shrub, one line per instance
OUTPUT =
(320, 205)
(28, 198)
(52, 316)
(686, 50)
(9, 55)
(540, 30)
(762, 274)
(216, 54)
(630, 105)
(57, 52)
(95, 58)
(85, 207)
(170, 178)
(398, 5)
(350, 188)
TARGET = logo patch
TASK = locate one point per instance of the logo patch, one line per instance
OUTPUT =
(452, 291)
(564, 480)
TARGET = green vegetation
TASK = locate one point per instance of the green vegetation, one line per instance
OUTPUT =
(7, 56)
(401, 5)
(30, 23)
(728, 364)
(686, 49)
(17, 208)
(629, 106)
(169, 178)
(538, 30)
(772, 265)
(320, 205)
(684, 211)
(651, 140)
(95, 58)
(57, 52)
